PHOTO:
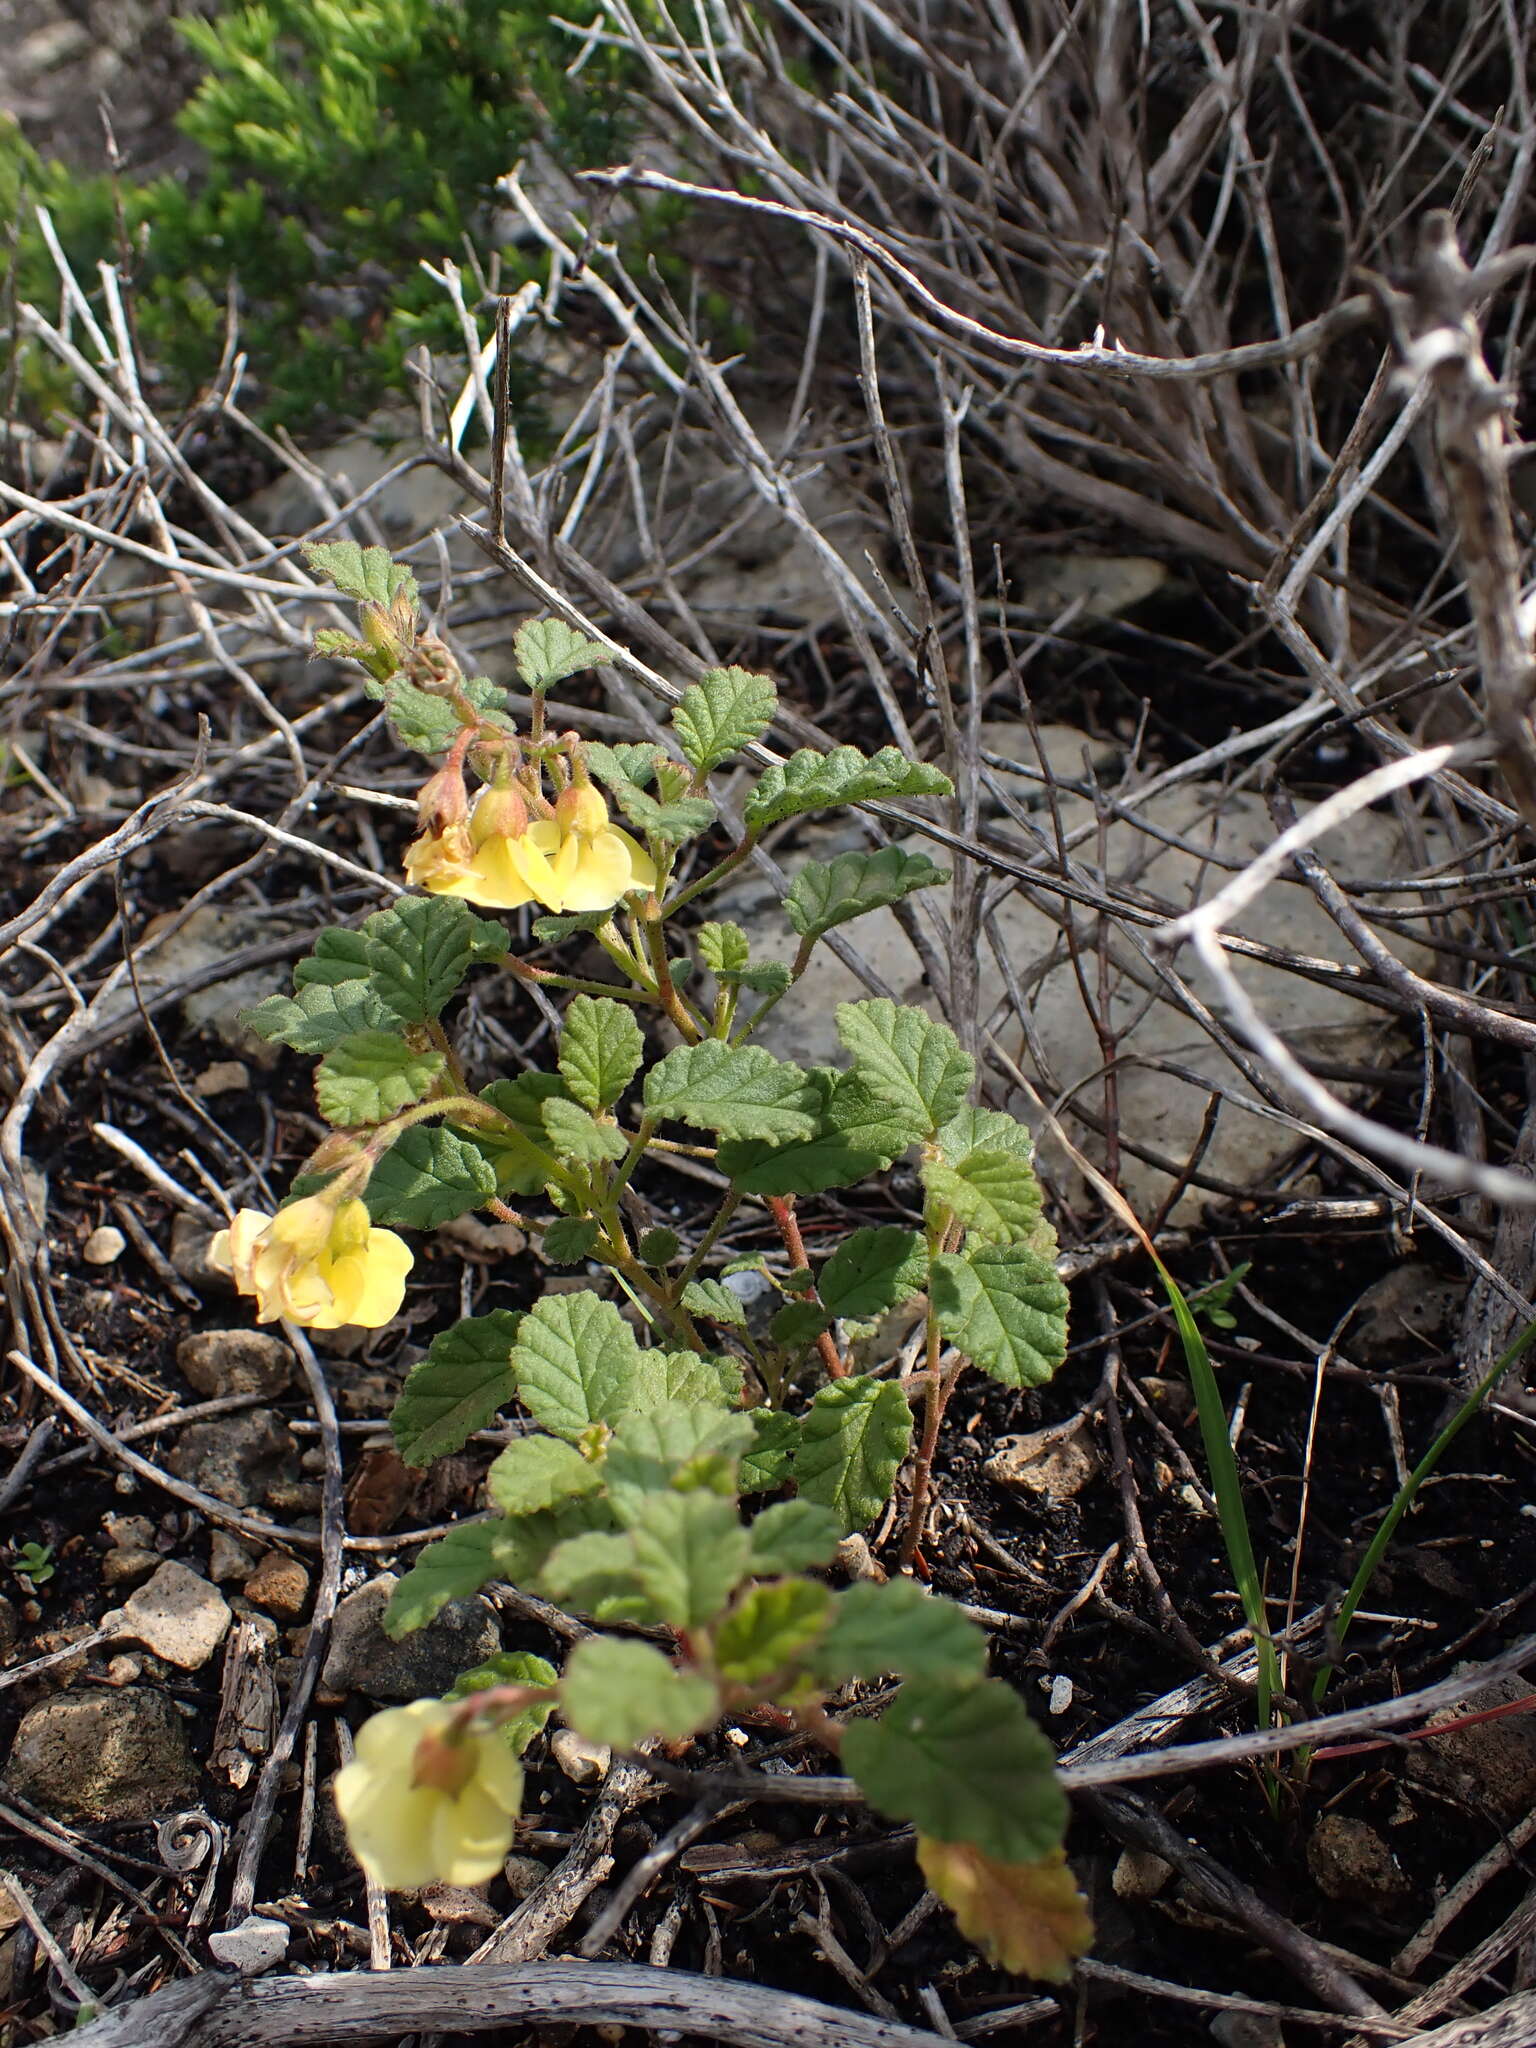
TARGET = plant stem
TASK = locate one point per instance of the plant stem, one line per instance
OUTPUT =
(723, 867)
(936, 1395)
(706, 1243)
(782, 1208)
(656, 944)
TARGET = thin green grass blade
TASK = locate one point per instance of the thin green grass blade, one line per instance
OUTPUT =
(1227, 1487)
(1408, 1492)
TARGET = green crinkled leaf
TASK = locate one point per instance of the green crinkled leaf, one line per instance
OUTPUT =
(994, 1194)
(319, 1016)
(511, 1667)
(852, 1441)
(419, 951)
(859, 1133)
(689, 1376)
(830, 892)
(568, 1240)
(798, 1323)
(521, 1158)
(873, 1270)
(367, 574)
(452, 1568)
(691, 1552)
(739, 1091)
(1005, 1308)
(373, 1075)
(962, 1759)
(972, 1129)
(553, 929)
(907, 1060)
(427, 1177)
(577, 1363)
(770, 1628)
(461, 1384)
(658, 1247)
(809, 781)
(792, 1536)
(546, 651)
(724, 949)
(339, 955)
(575, 1134)
(596, 1573)
(766, 1466)
(629, 761)
(683, 817)
(721, 713)
(625, 1693)
(709, 1298)
(539, 1472)
(681, 1446)
(897, 1628)
(601, 1048)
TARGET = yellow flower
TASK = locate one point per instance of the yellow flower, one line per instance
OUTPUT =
(419, 1809)
(577, 860)
(474, 859)
(574, 861)
(320, 1264)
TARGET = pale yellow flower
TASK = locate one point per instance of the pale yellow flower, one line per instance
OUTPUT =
(421, 1809)
(474, 859)
(575, 861)
(321, 1264)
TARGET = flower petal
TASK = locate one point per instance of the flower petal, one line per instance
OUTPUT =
(369, 1285)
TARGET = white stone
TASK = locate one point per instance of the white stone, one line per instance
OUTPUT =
(176, 1615)
(104, 1247)
(583, 1762)
(255, 1945)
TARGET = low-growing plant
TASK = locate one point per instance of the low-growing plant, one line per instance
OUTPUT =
(34, 1564)
(340, 146)
(650, 1426)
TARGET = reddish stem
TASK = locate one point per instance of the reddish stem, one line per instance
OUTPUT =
(782, 1209)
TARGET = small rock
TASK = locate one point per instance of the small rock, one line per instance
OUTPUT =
(10, 1627)
(455, 1905)
(1057, 1467)
(1174, 1399)
(583, 1762)
(189, 1255)
(855, 1560)
(177, 1616)
(1139, 1874)
(104, 1247)
(127, 1565)
(236, 1458)
(1402, 1312)
(124, 1670)
(280, 1584)
(255, 1945)
(129, 1532)
(361, 1658)
(1492, 1762)
(228, 1558)
(1350, 1862)
(524, 1875)
(224, 1077)
(235, 1362)
(99, 1756)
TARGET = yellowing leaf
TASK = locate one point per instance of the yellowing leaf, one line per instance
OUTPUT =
(1029, 1917)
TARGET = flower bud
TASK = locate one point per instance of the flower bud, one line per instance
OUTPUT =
(581, 810)
(500, 813)
(443, 801)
